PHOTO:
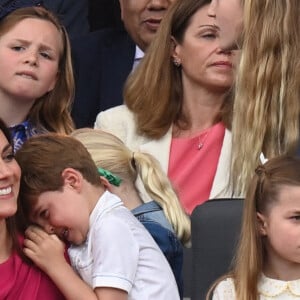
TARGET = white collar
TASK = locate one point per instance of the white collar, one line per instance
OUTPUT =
(269, 287)
(138, 53)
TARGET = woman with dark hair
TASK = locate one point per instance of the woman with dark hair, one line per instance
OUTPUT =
(19, 279)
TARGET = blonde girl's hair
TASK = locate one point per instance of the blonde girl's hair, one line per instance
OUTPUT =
(51, 112)
(110, 153)
(263, 194)
(156, 83)
(267, 102)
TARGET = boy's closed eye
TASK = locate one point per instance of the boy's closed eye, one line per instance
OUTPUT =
(44, 214)
(295, 217)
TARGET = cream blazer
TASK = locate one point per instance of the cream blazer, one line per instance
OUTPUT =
(120, 122)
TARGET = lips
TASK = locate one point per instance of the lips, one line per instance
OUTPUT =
(222, 64)
(28, 75)
(152, 23)
(64, 234)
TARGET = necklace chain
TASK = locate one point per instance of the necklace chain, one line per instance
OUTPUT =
(202, 139)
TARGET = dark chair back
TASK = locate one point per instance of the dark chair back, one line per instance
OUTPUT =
(215, 232)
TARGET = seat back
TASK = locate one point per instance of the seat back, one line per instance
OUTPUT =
(215, 232)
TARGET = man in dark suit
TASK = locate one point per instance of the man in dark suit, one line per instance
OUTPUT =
(103, 59)
(104, 14)
(72, 13)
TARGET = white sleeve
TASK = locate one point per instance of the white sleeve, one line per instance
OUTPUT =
(115, 121)
(116, 253)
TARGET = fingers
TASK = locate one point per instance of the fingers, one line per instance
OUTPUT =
(30, 249)
(37, 239)
(35, 233)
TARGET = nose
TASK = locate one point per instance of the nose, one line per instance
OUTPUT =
(31, 58)
(212, 9)
(222, 51)
(159, 4)
(49, 228)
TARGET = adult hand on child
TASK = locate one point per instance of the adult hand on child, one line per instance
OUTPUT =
(45, 250)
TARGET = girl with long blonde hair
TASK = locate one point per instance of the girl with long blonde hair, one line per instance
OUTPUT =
(267, 102)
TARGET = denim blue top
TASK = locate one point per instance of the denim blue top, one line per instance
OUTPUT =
(151, 215)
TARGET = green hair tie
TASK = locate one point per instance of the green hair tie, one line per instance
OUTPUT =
(113, 179)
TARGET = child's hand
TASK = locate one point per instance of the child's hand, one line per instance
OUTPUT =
(45, 250)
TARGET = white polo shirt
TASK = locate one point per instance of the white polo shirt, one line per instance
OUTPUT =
(120, 253)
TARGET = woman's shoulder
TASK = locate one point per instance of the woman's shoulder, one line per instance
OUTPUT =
(121, 112)
(120, 121)
(115, 119)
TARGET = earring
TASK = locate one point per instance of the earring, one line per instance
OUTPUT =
(176, 62)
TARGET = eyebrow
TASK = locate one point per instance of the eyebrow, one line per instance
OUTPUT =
(43, 46)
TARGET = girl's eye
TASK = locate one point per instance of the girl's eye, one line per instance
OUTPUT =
(46, 55)
(296, 218)
(17, 48)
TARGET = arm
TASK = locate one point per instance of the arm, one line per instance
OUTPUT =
(47, 252)
(111, 294)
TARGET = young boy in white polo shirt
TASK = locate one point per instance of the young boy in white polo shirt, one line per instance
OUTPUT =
(110, 249)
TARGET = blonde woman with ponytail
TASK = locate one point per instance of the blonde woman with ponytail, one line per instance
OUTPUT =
(144, 189)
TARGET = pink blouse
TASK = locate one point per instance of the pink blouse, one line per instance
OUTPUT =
(193, 164)
(19, 280)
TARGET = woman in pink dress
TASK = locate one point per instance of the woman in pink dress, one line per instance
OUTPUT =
(19, 278)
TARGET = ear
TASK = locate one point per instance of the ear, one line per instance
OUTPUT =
(262, 224)
(72, 178)
(106, 184)
(175, 51)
